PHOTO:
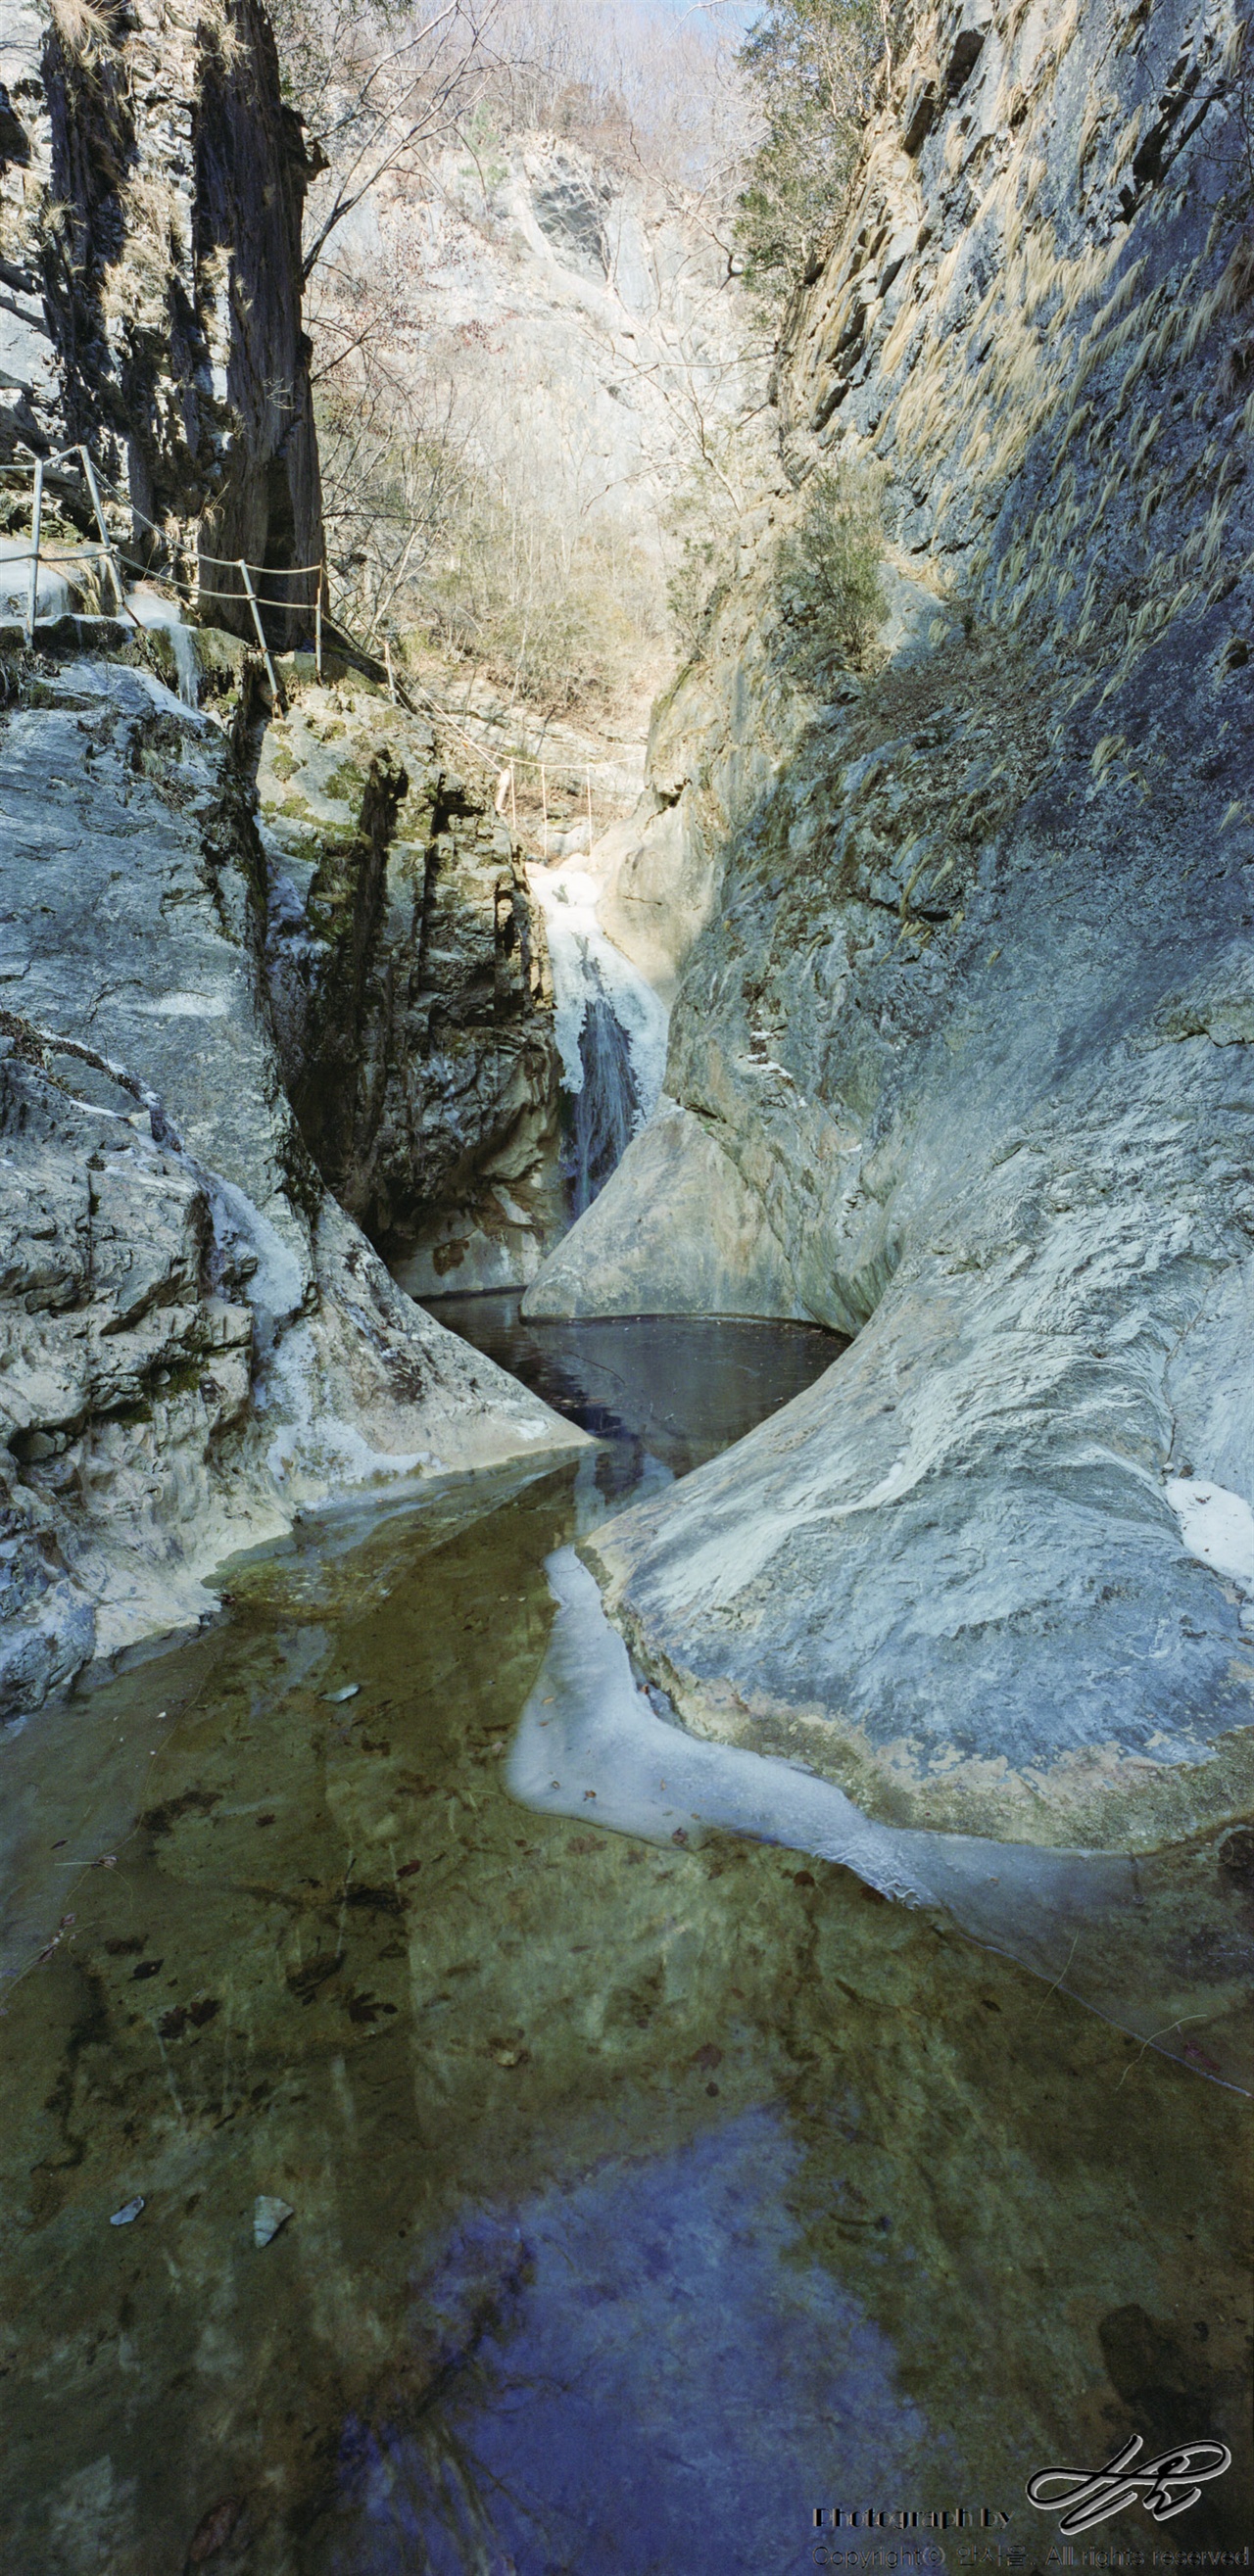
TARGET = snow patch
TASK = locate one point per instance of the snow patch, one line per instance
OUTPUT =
(149, 608)
(52, 597)
(1217, 1527)
(586, 1725)
(591, 1745)
(185, 1006)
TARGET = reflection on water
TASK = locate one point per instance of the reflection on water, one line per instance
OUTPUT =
(666, 1394)
(643, 2200)
(643, 2336)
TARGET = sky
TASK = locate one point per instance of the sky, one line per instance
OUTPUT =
(730, 13)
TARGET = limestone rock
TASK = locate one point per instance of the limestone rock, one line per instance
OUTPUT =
(970, 1013)
(674, 1232)
(194, 1339)
(122, 1365)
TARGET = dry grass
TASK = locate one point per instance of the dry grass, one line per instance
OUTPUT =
(1098, 110)
(82, 28)
(136, 289)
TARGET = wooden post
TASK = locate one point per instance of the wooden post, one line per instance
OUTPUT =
(544, 803)
(36, 520)
(98, 506)
(261, 632)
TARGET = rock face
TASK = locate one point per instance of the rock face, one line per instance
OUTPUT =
(972, 1017)
(125, 1358)
(413, 1003)
(197, 1340)
(151, 187)
(587, 307)
(680, 1228)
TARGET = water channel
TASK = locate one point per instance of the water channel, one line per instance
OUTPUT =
(533, 2199)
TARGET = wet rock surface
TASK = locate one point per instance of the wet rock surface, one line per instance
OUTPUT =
(408, 962)
(971, 1014)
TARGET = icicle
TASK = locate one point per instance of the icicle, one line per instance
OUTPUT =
(611, 1033)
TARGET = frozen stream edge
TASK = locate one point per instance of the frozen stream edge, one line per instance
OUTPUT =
(590, 1744)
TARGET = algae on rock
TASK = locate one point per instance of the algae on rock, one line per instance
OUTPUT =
(412, 995)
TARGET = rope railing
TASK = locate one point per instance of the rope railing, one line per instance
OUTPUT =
(112, 554)
(186, 593)
(504, 772)
(143, 572)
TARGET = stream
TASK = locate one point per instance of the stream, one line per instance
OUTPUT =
(401, 2175)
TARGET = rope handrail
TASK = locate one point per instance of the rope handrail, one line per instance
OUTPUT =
(144, 572)
(107, 551)
(493, 760)
(281, 572)
(221, 563)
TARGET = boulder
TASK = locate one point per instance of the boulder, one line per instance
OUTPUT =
(675, 1231)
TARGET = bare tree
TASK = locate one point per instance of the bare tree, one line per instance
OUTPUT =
(465, 502)
(378, 93)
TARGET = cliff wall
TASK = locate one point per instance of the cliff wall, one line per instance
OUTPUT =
(197, 1095)
(151, 187)
(971, 1012)
(195, 1341)
(408, 969)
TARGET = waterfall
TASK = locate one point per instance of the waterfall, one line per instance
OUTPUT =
(611, 1035)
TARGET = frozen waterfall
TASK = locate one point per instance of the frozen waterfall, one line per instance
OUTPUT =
(611, 1035)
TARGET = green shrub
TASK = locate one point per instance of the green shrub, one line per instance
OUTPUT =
(828, 573)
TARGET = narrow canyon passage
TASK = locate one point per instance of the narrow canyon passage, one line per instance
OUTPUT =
(642, 2198)
(626, 1287)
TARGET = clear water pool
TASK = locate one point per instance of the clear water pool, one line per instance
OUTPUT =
(643, 2200)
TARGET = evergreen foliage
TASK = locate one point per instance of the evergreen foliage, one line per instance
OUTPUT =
(816, 69)
(828, 573)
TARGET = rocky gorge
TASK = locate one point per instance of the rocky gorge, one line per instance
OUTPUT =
(960, 1056)
(199, 1339)
(955, 934)
(956, 943)
(626, 1452)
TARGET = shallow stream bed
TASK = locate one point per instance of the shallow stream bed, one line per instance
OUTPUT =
(643, 2198)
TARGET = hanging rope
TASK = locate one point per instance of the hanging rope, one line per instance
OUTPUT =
(189, 594)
